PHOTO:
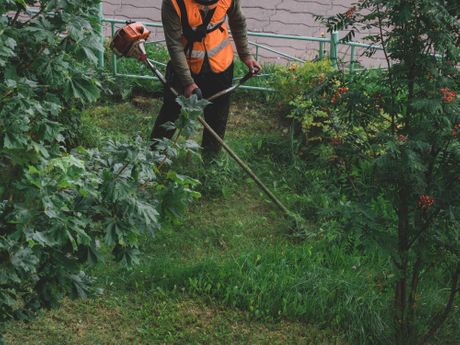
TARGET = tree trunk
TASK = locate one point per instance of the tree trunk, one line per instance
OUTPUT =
(411, 332)
(441, 317)
(401, 284)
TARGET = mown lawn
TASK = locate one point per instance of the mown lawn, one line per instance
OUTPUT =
(158, 317)
(163, 301)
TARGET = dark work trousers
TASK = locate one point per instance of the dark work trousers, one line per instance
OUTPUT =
(215, 114)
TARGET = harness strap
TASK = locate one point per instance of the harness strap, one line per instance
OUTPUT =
(200, 32)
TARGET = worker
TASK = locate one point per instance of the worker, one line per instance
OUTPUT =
(201, 62)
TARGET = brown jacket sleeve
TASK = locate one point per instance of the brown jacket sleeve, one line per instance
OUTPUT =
(238, 27)
(173, 32)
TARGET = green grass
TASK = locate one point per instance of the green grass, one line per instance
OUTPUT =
(159, 302)
(160, 318)
(118, 120)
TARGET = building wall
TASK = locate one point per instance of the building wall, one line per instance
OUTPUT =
(294, 17)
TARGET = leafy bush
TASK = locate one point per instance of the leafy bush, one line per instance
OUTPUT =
(60, 204)
(296, 79)
(306, 95)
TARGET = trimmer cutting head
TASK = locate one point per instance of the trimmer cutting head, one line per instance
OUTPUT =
(129, 40)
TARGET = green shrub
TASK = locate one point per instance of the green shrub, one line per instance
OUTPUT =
(61, 204)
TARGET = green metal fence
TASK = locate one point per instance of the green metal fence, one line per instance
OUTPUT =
(333, 42)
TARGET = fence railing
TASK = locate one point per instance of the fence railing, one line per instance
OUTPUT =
(333, 42)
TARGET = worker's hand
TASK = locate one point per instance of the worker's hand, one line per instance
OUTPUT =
(198, 93)
(188, 91)
(253, 65)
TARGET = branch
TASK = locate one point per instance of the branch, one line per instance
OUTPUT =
(31, 62)
(388, 61)
(429, 173)
(174, 144)
(33, 17)
(444, 152)
(439, 319)
(425, 227)
(413, 294)
(5, 96)
(40, 51)
(123, 168)
(16, 16)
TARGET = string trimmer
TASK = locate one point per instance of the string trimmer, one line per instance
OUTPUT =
(129, 42)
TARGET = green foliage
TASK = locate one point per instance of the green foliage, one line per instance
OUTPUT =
(191, 109)
(299, 79)
(306, 96)
(392, 139)
(43, 73)
(388, 144)
(383, 189)
(61, 204)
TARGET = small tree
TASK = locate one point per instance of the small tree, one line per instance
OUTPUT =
(416, 153)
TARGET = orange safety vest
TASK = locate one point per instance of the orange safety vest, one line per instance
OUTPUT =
(216, 43)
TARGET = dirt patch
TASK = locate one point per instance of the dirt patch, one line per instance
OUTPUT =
(252, 114)
(241, 330)
(75, 322)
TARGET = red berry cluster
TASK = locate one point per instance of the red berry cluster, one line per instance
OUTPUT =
(402, 138)
(448, 95)
(340, 92)
(349, 14)
(425, 201)
(456, 130)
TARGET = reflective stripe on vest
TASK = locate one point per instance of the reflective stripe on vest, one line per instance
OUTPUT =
(200, 54)
(216, 45)
(212, 26)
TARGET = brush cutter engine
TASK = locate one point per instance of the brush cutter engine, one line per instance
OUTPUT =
(129, 41)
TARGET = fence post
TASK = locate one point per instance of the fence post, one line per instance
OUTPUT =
(352, 59)
(114, 56)
(321, 47)
(101, 35)
(334, 49)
